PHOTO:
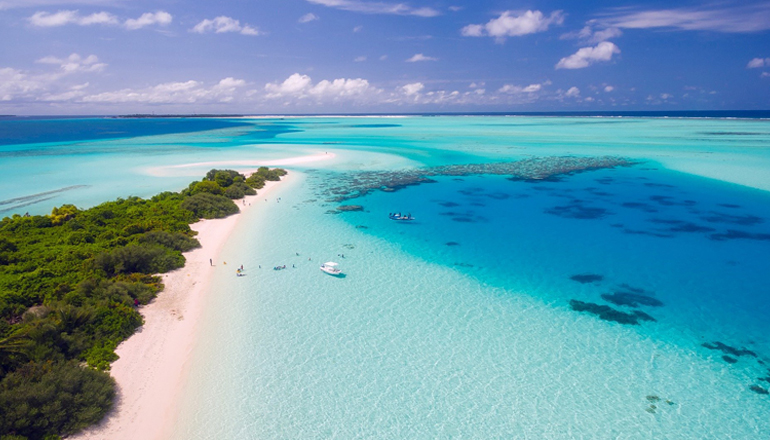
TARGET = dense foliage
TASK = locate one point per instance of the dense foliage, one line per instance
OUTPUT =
(70, 283)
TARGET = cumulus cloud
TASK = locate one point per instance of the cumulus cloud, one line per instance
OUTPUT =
(512, 89)
(420, 57)
(413, 88)
(301, 87)
(765, 75)
(224, 24)
(573, 92)
(376, 7)
(713, 17)
(513, 24)
(187, 92)
(608, 89)
(358, 28)
(758, 62)
(65, 17)
(360, 59)
(75, 63)
(148, 19)
(307, 18)
(48, 85)
(589, 55)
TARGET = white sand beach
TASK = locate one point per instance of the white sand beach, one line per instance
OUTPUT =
(153, 362)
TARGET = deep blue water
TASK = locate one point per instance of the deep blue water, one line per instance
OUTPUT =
(35, 130)
(698, 246)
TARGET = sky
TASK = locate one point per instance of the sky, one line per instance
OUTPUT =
(94, 57)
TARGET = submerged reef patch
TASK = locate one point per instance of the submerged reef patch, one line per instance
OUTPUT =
(732, 234)
(607, 313)
(587, 278)
(577, 210)
(728, 359)
(726, 349)
(631, 299)
(351, 185)
(759, 390)
(743, 220)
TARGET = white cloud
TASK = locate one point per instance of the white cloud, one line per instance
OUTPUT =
(512, 89)
(75, 63)
(148, 19)
(65, 17)
(301, 87)
(413, 88)
(758, 62)
(224, 24)
(740, 19)
(608, 89)
(765, 75)
(420, 57)
(360, 59)
(589, 35)
(377, 7)
(187, 92)
(61, 18)
(573, 92)
(383, 57)
(589, 55)
(358, 29)
(292, 85)
(665, 96)
(307, 18)
(509, 24)
(455, 8)
(18, 85)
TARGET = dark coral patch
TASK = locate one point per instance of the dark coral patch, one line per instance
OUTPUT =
(724, 348)
(586, 278)
(729, 205)
(452, 243)
(607, 313)
(732, 234)
(640, 206)
(449, 204)
(578, 211)
(631, 299)
(729, 360)
(650, 233)
(463, 220)
(670, 201)
(759, 390)
(743, 220)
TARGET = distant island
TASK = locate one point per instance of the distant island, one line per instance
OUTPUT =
(70, 286)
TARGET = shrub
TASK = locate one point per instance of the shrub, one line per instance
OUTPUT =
(40, 400)
(139, 258)
(205, 205)
(256, 181)
(176, 241)
(207, 186)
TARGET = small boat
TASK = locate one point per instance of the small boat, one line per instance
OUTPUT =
(398, 216)
(330, 267)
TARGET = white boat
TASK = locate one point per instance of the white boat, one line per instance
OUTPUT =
(330, 267)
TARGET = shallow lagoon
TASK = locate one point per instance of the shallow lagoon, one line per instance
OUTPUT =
(460, 324)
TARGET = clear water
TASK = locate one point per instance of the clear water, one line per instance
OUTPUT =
(475, 338)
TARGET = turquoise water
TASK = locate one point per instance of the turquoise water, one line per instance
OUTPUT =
(459, 324)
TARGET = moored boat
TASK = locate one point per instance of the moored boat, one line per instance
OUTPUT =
(330, 267)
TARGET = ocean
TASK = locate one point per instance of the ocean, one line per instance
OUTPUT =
(626, 302)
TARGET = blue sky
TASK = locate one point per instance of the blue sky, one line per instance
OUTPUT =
(316, 56)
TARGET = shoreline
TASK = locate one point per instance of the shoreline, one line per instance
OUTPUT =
(154, 361)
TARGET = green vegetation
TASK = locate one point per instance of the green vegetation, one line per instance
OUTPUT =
(70, 283)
